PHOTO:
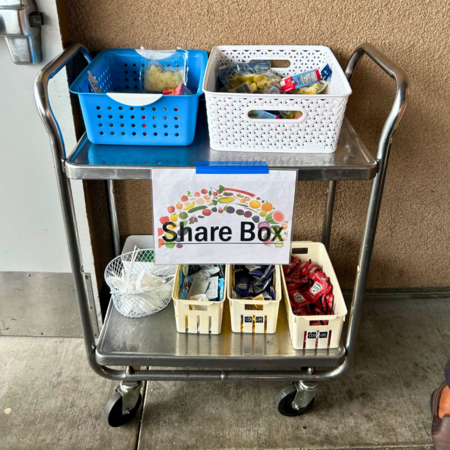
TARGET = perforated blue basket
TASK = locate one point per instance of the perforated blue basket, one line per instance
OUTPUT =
(123, 115)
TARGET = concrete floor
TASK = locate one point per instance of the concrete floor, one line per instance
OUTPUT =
(50, 399)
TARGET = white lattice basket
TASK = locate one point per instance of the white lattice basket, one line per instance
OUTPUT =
(230, 127)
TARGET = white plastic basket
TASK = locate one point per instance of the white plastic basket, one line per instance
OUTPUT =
(303, 334)
(194, 316)
(254, 316)
(317, 131)
(144, 303)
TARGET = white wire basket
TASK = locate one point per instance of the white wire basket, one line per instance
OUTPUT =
(139, 303)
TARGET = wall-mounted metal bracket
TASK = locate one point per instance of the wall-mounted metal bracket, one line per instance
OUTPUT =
(20, 24)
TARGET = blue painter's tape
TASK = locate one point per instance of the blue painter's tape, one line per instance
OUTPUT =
(232, 167)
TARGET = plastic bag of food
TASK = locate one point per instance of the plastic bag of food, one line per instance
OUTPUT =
(162, 69)
(272, 87)
(291, 114)
(247, 77)
(261, 114)
(313, 89)
(228, 73)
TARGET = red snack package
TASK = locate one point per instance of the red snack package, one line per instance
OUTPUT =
(287, 269)
(321, 275)
(294, 287)
(179, 90)
(318, 311)
(297, 298)
(330, 303)
(296, 281)
(304, 269)
(313, 269)
(319, 288)
(304, 311)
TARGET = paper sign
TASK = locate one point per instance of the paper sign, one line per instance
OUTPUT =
(227, 219)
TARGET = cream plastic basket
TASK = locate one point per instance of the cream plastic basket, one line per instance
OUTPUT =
(303, 334)
(254, 316)
(230, 127)
(194, 316)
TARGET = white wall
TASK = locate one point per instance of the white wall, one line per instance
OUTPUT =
(32, 237)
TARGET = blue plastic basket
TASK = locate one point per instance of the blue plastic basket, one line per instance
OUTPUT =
(123, 115)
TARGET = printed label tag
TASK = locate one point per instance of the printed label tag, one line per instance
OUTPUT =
(316, 288)
(260, 320)
(323, 334)
(299, 297)
(312, 334)
(248, 319)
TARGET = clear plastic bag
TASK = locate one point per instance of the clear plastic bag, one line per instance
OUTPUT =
(291, 114)
(312, 89)
(163, 69)
(247, 77)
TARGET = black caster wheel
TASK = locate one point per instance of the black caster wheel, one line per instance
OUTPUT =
(285, 399)
(113, 410)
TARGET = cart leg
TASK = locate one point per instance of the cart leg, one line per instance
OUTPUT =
(114, 221)
(113, 216)
(328, 217)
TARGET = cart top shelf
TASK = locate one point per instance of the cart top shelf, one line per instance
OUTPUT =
(351, 161)
(154, 341)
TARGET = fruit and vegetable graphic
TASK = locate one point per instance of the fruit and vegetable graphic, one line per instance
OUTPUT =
(193, 207)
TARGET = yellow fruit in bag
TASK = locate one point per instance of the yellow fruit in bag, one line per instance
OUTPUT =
(156, 79)
(261, 84)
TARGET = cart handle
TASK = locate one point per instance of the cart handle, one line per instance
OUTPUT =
(401, 95)
(42, 99)
(384, 147)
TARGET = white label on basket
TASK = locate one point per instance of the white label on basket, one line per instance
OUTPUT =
(222, 218)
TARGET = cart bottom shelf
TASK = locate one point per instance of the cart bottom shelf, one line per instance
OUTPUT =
(154, 341)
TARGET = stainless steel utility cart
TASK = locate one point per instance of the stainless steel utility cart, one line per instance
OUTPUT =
(153, 341)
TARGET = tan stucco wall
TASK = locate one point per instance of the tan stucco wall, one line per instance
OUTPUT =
(412, 246)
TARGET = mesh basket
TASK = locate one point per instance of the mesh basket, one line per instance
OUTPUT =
(231, 128)
(143, 303)
(123, 115)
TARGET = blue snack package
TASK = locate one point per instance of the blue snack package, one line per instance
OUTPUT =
(242, 282)
(326, 73)
(254, 269)
(271, 292)
(261, 284)
(221, 286)
(269, 270)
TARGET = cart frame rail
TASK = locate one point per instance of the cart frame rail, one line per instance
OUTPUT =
(131, 374)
